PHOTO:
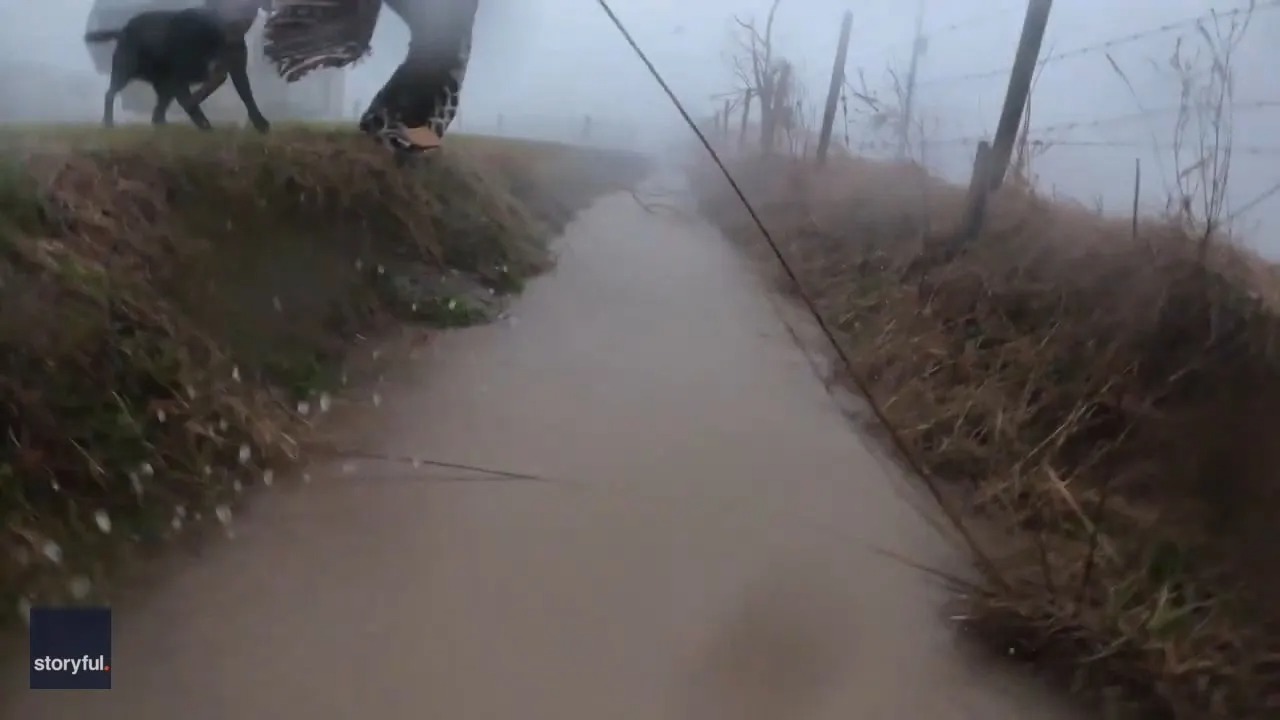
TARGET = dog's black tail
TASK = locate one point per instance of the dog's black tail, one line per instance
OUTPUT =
(101, 36)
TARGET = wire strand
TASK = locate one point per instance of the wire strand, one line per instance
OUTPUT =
(1107, 44)
(895, 437)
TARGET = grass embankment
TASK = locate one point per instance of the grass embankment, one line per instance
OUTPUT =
(171, 302)
(1106, 407)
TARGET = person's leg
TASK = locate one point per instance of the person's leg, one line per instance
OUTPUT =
(412, 112)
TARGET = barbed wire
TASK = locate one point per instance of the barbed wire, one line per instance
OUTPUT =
(1247, 105)
(1083, 123)
(1046, 143)
(1109, 44)
(970, 21)
(955, 26)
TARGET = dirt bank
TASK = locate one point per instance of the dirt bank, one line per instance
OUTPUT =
(177, 305)
(1105, 405)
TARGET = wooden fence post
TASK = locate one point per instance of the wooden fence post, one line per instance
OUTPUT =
(992, 159)
(1015, 100)
(837, 81)
(908, 103)
(979, 189)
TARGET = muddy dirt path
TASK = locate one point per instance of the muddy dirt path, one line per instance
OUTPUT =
(708, 554)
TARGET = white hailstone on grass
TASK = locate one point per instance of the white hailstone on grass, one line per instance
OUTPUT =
(268, 477)
(381, 270)
(80, 587)
(103, 520)
(147, 470)
(176, 523)
(414, 307)
(377, 400)
(207, 470)
(343, 379)
(224, 514)
(275, 302)
(180, 511)
(52, 551)
(222, 425)
(348, 468)
(245, 453)
(237, 486)
(161, 417)
(359, 264)
(136, 483)
(325, 402)
(57, 487)
(235, 373)
(306, 477)
(304, 408)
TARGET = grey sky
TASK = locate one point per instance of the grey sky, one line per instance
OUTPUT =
(547, 61)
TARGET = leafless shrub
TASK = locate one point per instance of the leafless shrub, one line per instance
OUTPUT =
(1203, 130)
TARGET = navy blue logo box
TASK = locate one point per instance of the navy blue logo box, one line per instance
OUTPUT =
(70, 648)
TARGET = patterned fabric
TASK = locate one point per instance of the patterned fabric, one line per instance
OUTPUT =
(306, 35)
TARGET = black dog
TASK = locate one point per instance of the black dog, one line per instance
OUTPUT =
(173, 50)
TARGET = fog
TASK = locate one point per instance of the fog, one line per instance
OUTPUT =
(543, 65)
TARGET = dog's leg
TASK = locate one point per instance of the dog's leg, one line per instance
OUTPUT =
(122, 68)
(183, 95)
(109, 105)
(163, 99)
(210, 86)
(237, 59)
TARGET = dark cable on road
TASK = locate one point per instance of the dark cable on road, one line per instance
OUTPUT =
(895, 438)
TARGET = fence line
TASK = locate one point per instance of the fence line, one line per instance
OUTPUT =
(949, 28)
(1082, 167)
(1261, 150)
(1110, 44)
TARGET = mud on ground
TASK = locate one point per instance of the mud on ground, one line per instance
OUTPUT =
(1105, 405)
(175, 305)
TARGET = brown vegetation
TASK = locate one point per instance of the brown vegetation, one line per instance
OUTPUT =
(1103, 403)
(175, 305)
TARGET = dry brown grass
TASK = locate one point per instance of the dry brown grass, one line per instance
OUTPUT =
(168, 298)
(1107, 406)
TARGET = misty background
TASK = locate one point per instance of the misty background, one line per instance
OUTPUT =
(543, 65)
